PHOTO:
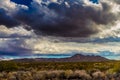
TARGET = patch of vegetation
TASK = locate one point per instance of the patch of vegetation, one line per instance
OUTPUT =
(13, 70)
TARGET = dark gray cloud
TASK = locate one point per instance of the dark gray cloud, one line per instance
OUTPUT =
(7, 20)
(14, 47)
(67, 19)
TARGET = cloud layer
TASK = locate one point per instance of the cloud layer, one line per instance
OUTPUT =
(65, 18)
(59, 27)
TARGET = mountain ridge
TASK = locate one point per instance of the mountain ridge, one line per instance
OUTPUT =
(74, 58)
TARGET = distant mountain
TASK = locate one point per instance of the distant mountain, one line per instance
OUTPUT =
(89, 58)
(75, 58)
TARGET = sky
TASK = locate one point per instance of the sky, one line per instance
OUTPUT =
(59, 28)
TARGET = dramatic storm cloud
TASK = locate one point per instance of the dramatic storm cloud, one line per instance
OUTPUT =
(66, 18)
(7, 20)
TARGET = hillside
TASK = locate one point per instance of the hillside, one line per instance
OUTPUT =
(74, 58)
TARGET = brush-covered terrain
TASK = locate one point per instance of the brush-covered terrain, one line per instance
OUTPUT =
(35, 70)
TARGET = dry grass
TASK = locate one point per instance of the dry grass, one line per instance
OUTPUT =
(57, 75)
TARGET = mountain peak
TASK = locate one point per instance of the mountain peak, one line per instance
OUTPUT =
(91, 58)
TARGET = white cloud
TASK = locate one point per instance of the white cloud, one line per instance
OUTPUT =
(7, 5)
(94, 5)
(10, 6)
(109, 30)
(17, 31)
